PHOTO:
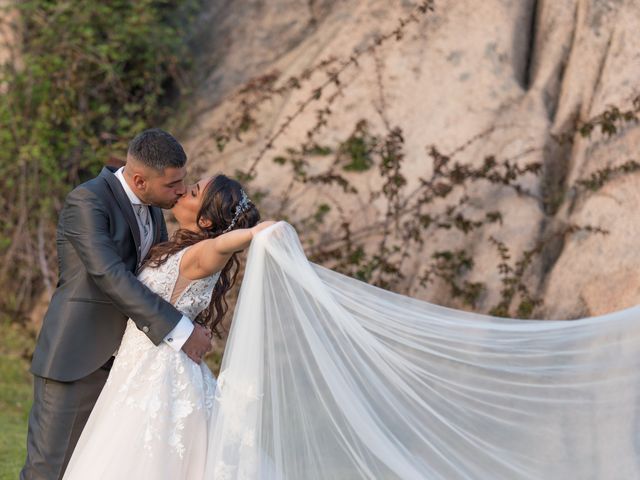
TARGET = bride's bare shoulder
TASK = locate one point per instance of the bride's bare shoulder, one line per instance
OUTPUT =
(191, 265)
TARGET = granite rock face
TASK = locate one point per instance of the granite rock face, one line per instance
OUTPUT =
(524, 71)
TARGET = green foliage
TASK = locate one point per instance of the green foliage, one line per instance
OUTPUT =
(321, 212)
(320, 150)
(600, 177)
(610, 122)
(449, 266)
(15, 398)
(513, 285)
(90, 76)
(357, 149)
(15, 401)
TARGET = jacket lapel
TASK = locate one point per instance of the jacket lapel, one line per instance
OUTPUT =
(119, 194)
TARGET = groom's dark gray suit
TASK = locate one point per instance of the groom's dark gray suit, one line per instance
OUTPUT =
(99, 251)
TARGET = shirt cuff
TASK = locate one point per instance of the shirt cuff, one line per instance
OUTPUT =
(180, 333)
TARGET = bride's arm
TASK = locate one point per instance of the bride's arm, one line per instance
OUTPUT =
(237, 240)
(210, 256)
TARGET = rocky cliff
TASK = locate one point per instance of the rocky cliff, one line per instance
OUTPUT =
(514, 75)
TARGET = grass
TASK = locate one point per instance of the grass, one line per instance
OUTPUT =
(16, 395)
(15, 399)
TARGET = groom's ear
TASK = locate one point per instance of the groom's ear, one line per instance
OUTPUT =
(138, 174)
(140, 181)
(135, 176)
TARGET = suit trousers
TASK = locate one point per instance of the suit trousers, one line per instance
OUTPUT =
(60, 411)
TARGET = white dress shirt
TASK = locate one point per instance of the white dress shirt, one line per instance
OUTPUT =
(181, 332)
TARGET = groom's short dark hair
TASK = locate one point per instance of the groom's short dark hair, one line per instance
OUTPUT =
(157, 149)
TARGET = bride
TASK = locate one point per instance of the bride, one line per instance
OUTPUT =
(150, 420)
(327, 378)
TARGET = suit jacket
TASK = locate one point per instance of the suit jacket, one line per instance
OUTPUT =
(98, 253)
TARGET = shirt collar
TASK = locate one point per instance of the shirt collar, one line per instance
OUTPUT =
(127, 189)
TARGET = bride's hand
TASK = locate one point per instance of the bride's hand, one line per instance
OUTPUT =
(198, 343)
(261, 226)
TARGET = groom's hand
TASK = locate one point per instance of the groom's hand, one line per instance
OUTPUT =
(198, 343)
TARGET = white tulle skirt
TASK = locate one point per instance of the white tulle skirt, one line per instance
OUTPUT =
(150, 421)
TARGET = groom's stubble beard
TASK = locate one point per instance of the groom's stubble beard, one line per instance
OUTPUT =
(158, 193)
(150, 197)
(161, 203)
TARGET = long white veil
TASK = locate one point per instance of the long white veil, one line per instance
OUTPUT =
(326, 377)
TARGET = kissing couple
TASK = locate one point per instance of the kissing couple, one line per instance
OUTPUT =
(125, 288)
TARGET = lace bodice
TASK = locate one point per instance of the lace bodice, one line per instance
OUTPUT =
(195, 297)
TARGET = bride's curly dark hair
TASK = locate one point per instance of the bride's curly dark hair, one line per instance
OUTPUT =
(219, 201)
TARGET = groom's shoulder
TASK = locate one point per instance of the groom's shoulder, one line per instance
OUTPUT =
(97, 184)
(95, 188)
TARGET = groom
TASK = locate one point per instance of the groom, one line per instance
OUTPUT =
(105, 230)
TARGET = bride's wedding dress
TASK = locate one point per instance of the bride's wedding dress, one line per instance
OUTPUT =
(326, 377)
(150, 421)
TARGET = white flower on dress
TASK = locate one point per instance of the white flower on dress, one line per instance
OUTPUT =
(181, 409)
(223, 471)
(249, 438)
(154, 406)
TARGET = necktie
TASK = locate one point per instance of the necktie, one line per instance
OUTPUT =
(143, 214)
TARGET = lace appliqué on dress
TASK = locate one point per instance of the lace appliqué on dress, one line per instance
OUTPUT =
(237, 399)
(158, 380)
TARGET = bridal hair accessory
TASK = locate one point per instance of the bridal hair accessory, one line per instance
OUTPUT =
(242, 207)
